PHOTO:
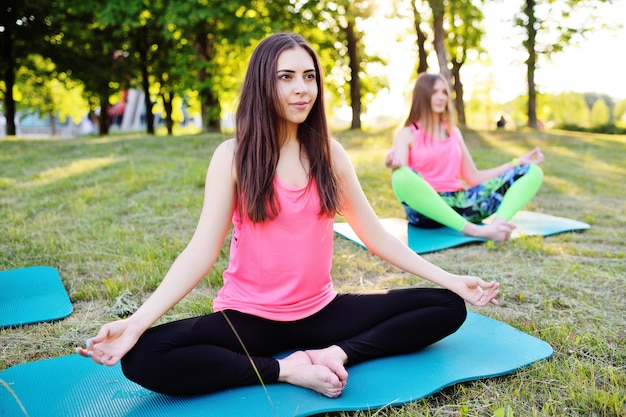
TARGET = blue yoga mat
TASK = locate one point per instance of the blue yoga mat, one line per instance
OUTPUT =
(73, 386)
(32, 295)
(431, 240)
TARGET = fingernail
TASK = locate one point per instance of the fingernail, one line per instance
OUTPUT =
(102, 361)
(76, 350)
(89, 354)
(88, 343)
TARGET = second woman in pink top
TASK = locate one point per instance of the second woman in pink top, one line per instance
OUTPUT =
(435, 177)
(280, 182)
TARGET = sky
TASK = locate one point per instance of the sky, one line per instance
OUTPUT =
(596, 64)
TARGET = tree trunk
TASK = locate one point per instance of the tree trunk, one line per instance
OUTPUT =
(422, 64)
(458, 92)
(531, 63)
(438, 9)
(209, 102)
(145, 81)
(355, 81)
(103, 118)
(9, 82)
(167, 105)
(53, 124)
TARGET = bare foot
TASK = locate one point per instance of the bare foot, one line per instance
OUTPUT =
(297, 369)
(498, 229)
(332, 357)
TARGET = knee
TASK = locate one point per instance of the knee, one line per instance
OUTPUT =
(404, 178)
(140, 366)
(536, 171)
(132, 366)
(458, 310)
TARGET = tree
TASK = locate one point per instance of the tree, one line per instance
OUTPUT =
(464, 35)
(341, 43)
(102, 66)
(212, 28)
(551, 26)
(619, 112)
(137, 22)
(568, 109)
(25, 29)
(422, 54)
(600, 113)
(456, 31)
(439, 11)
(40, 87)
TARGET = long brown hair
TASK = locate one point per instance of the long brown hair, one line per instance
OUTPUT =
(258, 133)
(421, 109)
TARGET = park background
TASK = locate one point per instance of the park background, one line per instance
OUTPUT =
(64, 61)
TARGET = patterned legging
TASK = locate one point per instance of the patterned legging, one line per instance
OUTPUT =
(474, 204)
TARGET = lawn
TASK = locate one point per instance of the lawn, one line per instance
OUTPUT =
(111, 214)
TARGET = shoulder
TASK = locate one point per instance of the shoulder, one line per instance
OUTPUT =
(456, 133)
(340, 159)
(223, 158)
(227, 147)
(226, 150)
(337, 150)
(405, 136)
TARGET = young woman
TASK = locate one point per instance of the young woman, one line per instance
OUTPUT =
(432, 167)
(281, 173)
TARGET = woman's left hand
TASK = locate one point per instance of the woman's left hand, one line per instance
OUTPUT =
(533, 157)
(477, 291)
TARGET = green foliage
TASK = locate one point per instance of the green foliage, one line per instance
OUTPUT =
(600, 113)
(609, 129)
(42, 89)
(568, 108)
(619, 112)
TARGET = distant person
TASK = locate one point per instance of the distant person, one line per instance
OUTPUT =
(279, 183)
(432, 167)
(501, 123)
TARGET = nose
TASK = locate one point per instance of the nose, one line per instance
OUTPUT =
(301, 87)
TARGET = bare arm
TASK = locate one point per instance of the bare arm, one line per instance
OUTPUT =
(115, 339)
(474, 176)
(398, 156)
(361, 217)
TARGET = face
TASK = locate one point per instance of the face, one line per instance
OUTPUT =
(439, 98)
(296, 83)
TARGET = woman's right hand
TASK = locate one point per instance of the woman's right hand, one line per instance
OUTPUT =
(391, 160)
(111, 343)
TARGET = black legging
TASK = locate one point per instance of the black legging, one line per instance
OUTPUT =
(202, 354)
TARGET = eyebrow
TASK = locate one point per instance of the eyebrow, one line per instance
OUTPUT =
(293, 72)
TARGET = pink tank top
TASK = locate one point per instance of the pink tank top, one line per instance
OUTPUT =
(280, 269)
(438, 161)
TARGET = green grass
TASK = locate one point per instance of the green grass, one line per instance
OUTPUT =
(111, 214)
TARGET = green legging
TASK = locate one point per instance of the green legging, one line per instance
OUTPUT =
(503, 196)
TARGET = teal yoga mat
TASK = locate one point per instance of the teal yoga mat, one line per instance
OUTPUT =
(73, 386)
(431, 240)
(32, 295)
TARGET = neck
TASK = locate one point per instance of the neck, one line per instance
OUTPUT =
(289, 134)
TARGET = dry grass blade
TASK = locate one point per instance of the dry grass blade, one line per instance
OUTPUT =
(256, 370)
(17, 400)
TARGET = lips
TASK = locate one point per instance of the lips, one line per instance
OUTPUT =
(301, 105)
